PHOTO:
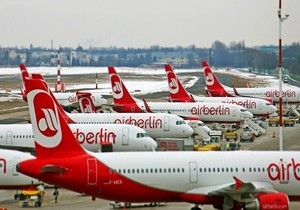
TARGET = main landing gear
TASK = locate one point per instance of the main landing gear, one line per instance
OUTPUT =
(196, 207)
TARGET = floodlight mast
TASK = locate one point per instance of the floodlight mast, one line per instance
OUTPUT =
(281, 19)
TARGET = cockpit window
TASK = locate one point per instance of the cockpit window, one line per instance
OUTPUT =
(181, 122)
(142, 135)
(243, 110)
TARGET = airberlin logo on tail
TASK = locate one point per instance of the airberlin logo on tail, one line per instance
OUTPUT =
(44, 118)
(116, 86)
(86, 105)
(209, 77)
(173, 83)
(284, 171)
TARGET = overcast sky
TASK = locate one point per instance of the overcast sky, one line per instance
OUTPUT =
(142, 23)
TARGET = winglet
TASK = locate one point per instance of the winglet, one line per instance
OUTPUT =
(238, 182)
(147, 106)
(235, 91)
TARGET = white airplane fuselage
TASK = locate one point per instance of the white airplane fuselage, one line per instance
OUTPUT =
(289, 94)
(254, 105)
(207, 112)
(10, 178)
(157, 125)
(69, 98)
(91, 137)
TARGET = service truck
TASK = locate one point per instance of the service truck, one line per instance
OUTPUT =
(174, 144)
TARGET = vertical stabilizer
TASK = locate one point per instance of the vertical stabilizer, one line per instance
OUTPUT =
(52, 135)
(213, 85)
(177, 91)
(123, 100)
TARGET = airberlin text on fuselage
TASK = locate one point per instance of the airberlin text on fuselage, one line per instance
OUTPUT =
(150, 122)
(275, 93)
(247, 103)
(101, 137)
(284, 170)
(74, 99)
(218, 110)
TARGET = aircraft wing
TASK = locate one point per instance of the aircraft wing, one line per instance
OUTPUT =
(238, 191)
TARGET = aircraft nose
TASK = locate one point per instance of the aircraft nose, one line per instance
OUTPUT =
(273, 109)
(248, 114)
(188, 131)
(153, 145)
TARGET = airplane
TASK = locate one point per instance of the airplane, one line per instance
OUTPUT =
(206, 112)
(10, 178)
(92, 137)
(225, 180)
(67, 99)
(290, 94)
(257, 106)
(157, 125)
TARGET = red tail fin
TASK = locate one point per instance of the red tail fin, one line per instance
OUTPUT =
(122, 99)
(177, 91)
(24, 75)
(40, 77)
(85, 102)
(52, 134)
(213, 85)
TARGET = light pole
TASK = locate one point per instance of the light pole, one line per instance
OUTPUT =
(281, 19)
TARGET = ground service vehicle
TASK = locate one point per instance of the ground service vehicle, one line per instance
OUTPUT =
(286, 121)
(31, 198)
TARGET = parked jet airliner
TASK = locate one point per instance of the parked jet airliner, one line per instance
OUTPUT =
(290, 95)
(257, 106)
(10, 178)
(207, 112)
(92, 137)
(157, 125)
(225, 180)
(67, 99)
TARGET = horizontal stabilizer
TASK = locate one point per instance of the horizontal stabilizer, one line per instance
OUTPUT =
(53, 169)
